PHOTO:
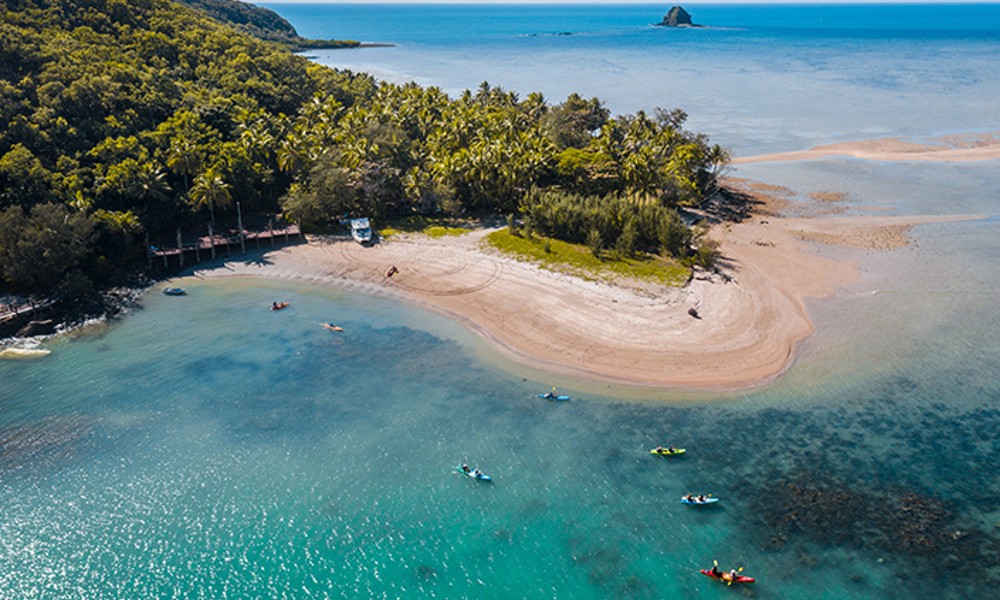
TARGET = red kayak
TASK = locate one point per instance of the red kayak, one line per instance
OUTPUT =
(727, 577)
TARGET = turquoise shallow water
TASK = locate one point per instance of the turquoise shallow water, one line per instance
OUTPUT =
(208, 447)
(205, 446)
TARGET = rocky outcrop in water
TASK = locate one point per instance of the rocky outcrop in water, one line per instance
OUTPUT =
(677, 17)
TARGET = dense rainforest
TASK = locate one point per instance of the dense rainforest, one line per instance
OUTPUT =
(124, 120)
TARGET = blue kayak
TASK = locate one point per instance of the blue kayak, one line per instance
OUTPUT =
(695, 501)
(554, 397)
(474, 473)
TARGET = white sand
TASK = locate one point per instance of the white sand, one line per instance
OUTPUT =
(747, 332)
(954, 148)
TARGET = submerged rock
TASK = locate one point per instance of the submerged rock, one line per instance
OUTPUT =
(677, 17)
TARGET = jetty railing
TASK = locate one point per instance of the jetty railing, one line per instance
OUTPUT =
(219, 241)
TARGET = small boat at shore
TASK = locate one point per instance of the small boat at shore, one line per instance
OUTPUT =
(661, 451)
(279, 305)
(332, 327)
(175, 291)
(473, 473)
(698, 500)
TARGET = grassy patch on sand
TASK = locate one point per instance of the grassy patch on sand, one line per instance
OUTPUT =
(577, 260)
(428, 226)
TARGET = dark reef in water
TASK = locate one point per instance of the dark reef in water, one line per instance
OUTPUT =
(894, 478)
(925, 532)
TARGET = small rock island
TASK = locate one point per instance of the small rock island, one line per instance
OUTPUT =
(677, 17)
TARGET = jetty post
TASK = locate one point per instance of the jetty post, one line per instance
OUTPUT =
(211, 240)
(180, 246)
(239, 222)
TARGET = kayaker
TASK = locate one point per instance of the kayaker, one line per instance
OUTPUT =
(465, 468)
(715, 568)
(733, 573)
(690, 498)
(701, 498)
(274, 306)
(671, 449)
(477, 472)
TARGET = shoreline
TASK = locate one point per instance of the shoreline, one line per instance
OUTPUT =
(753, 314)
(751, 309)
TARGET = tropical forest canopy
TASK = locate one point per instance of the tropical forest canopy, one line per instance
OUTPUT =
(126, 119)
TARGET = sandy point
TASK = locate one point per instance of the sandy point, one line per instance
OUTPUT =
(952, 148)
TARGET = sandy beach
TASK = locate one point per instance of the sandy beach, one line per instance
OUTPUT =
(953, 148)
(752, 312)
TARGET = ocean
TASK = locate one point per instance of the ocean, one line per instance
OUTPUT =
(206, 447)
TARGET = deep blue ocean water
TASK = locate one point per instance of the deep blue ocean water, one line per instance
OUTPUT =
(207, 447)
(839, 71)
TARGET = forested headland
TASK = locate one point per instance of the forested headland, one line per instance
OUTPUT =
(127, 119)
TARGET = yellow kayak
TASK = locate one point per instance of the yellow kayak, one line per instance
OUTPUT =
(666, 452)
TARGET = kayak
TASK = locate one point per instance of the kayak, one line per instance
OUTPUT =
(279, 305)
(695, 501)
(665, 452)
(727, 578)
(554, 397)
(332, 327)
(473, 474)
(174, 291)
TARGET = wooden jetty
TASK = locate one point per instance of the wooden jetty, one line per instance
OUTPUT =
(218, 241)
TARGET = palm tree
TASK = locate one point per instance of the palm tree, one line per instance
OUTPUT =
(123, 222)
(182, 158)
(210, 189)
(149, 184)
